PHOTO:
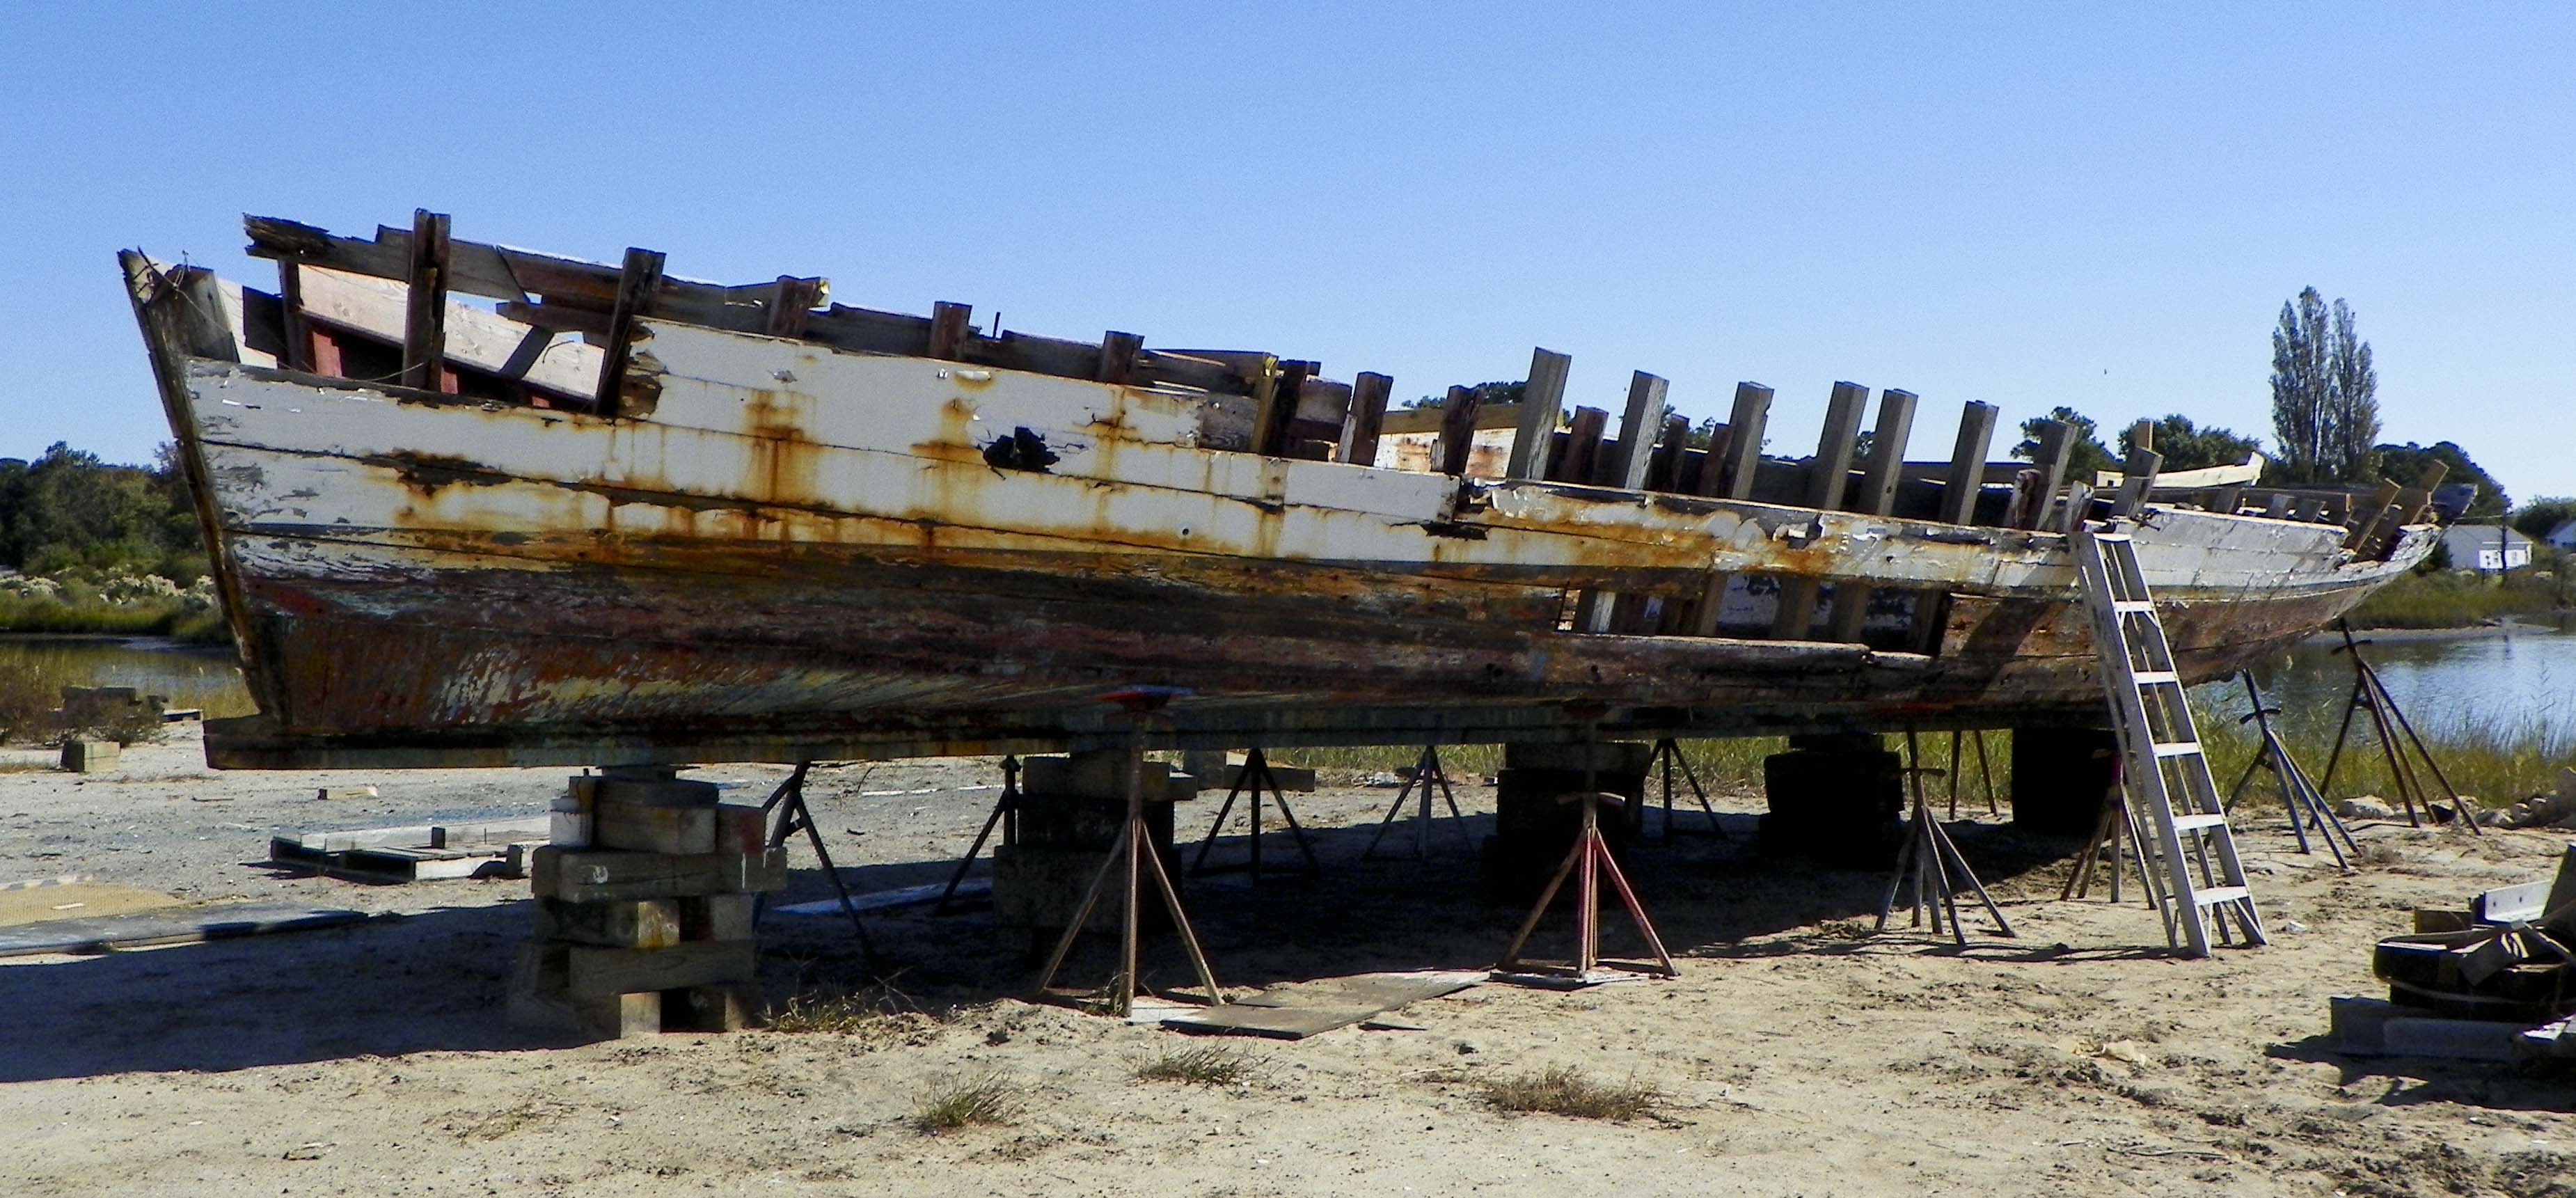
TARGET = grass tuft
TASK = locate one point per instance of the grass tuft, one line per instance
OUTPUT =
(1563, 1090)
(984, 1099)
(1206, 1066)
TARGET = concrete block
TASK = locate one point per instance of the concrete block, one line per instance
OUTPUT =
(89, 756)
(640, 923)
(648, 828)
(579, 793)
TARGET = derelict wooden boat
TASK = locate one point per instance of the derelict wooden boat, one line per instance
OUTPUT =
(623, 518)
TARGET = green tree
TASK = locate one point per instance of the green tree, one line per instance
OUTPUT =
(2188, 447)
(2542, 516)
(69, 509)
(2086, 453)
(1494, 394)
(2405, 465)
(2325, 393)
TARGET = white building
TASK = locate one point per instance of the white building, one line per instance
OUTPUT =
(2563, 536)
(2486, 548)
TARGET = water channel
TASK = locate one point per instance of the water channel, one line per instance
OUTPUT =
(2521, 682)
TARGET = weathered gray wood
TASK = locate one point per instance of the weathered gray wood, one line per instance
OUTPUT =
(651, 828)
(1746, 425)
(1118, 357)
(1582, 445)
(587, 876)
(1637, 428)
(636, 284)
(639, 923)
(792, 304)
(718, 917)
(1877, 497)
(949, 329)
(1664, 467)
(299, 331)
(1458, 428)
(425, 318)
(2056, 441)
(1360, 427)
(140, 929)
(1541, 400)
(2138, 478)
(1968, 464)
(1828, 476)
(1278, 408)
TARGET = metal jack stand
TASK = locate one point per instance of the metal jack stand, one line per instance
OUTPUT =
(2299, 797)
(2119, 835)
(1668, 753)
(1426, 771)
(1589, 861)
(1985, 770)
(1256, 775)
(1006, 813)
(1135, 852)
(788, 801)
(2369, 694)
(1927, 859)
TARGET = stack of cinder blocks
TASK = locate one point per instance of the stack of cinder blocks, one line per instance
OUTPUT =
(645, 905)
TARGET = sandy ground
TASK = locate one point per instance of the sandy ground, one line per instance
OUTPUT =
(1797, 1055)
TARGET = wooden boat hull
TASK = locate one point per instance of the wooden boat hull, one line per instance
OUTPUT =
(798, 553)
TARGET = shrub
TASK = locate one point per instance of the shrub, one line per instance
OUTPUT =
(1563, 1090)
(986, 1098)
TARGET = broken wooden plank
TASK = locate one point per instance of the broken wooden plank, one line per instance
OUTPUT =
(1541, 400)
(1367, 417)
(1637, 427)
(1118, 352)
(145, 929)
(1458, 429)
(425, 318)
(948, 329)
(636, 284)
(1828, 474)
(791, 305)
(1876, 497)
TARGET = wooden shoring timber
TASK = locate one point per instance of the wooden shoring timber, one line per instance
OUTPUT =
(1876, 497)
(571, 295)
(949, 326)
(1828, 474)
(1727, 472)
(425, 319)
(1458, 429)
(641, 277)
(1582, 444)
(1637, 428)
(1367, 416)
(1664, 466)
(2137, 477)
(1542, 398)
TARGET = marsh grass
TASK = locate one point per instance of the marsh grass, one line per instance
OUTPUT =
(174, 619)
(2496, 762)
(983, 1099)
(1203, 1066)
(2444, 599)
(1564, 1090)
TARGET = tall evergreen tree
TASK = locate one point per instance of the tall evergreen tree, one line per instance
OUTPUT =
(2325, 395)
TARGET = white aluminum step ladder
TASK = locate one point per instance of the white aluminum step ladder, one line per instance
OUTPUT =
(2167, 774)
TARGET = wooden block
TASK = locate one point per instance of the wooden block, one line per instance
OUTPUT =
(2487, 958)
(2561, 903)
(89, 756)
(727, 1007)
(540, 997)
(639, 923)
(331, 793)
(719, 917)
(741, 828)
(570, 829)
(598, 875)
(488, 833)
(596, 972)
(2430, 919)
(671, 792)
(651, 828)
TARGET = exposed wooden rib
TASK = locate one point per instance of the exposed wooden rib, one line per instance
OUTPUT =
(1959, 491)
(641, 277)
(1727, 472)
(948, 329)
(1876, 497)
(1458, 429)
(1278, 409)
(425, 320)
(1118, 357)
(1663, 469)
(299, 332)
(2136, 479)
(1367, 415)
(2056, 440)
(1637, 430)
(1541, 399)
(1828, 474)
(791, 304)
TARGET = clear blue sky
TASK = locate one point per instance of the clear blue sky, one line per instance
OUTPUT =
(2025, 204)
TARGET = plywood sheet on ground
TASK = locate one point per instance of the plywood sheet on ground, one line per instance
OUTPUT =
(76, 900)
(186, 925)
(1296, 1010)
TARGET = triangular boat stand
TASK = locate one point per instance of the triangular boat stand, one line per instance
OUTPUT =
(1131, 858)
(1426, 772)
(2388, 723)
(788, 802)
(1255, 776)
(1934, 867)
(1590, 863)
(2119, 841)
(1985, 769)
(1006, 814)
(1668, 754)
(2300, 798)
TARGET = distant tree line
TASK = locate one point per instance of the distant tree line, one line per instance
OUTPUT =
(68, 510)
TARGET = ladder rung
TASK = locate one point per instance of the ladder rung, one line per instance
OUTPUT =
(2177, 748)
(2194, 823)
(2131, 607)
(2220, 894)
(2158, 677)
(2111, 538)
